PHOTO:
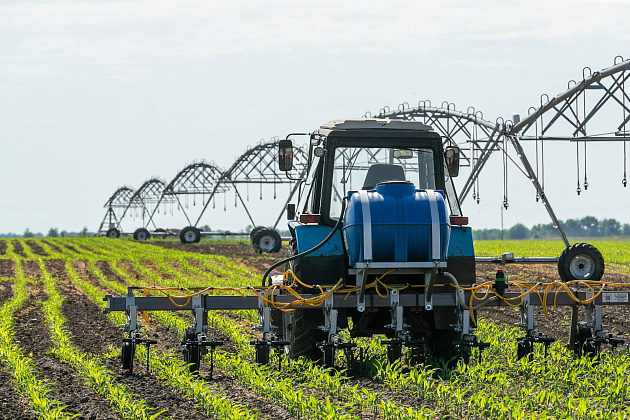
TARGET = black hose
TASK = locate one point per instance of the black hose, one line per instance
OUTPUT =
(315, 248)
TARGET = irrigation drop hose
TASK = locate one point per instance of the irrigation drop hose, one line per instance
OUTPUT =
(315, 248)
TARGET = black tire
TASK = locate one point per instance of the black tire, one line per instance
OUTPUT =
(300, 329)
(581, 262)
(441, 345)
(262, 354)
(141, 234)
(394, 352)
(255, 231)
(127, 354)
(192, 357)
(113, 233)
(523, 349)
(266, 241)
(328, 356)
(190, 235)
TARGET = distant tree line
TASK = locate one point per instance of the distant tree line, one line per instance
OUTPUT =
(588, 226)
(52, 233)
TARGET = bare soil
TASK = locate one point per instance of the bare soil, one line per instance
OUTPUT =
(12, 406)
(3, 247)
(7, 268)
(18, 249)
(37, 248)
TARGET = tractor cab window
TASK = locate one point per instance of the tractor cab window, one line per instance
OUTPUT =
(357, 168)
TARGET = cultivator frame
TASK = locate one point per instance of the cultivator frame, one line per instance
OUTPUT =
(584, 338)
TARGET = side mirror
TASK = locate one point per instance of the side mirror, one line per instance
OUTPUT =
(452, 160)
(285, 155)
(290, 211)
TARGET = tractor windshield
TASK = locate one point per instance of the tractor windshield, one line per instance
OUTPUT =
(357, 168)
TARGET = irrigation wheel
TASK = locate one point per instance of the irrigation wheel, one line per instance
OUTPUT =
(113, 233)
(141, 234)
(581, 262)
(266, 241)
(255, 231)
(190, 235)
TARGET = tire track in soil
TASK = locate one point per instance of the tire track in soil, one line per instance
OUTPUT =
(18, 249)
(37, 248)
(33, 335)
(3, 247)
(7, 268)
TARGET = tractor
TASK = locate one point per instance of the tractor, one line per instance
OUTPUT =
(377, 211)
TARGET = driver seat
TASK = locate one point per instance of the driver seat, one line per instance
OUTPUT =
(383, 172)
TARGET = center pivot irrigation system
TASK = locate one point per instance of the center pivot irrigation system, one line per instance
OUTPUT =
(201, 183)
(379, 245)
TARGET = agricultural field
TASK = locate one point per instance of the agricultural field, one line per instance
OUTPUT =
(60, 354)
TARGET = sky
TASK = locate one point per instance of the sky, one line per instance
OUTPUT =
(99, 94)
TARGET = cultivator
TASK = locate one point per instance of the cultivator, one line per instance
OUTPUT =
(585, 337)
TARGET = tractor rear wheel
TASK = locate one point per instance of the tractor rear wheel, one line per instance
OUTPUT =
(300, 329)
(581, 262)
(441, 345)
(141, 234)
(266, 241)
(190, 235)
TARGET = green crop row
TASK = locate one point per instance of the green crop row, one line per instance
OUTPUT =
(20, 367)
(552, 385)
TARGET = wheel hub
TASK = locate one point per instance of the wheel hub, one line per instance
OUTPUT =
(267, 243)
(190, 237)
(582, 267)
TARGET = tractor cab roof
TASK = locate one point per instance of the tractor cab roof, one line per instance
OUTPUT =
(376, 127)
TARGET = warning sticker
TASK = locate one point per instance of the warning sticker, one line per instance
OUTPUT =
(615, 297)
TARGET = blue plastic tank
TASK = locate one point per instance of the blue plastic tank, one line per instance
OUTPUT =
(401, 224)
